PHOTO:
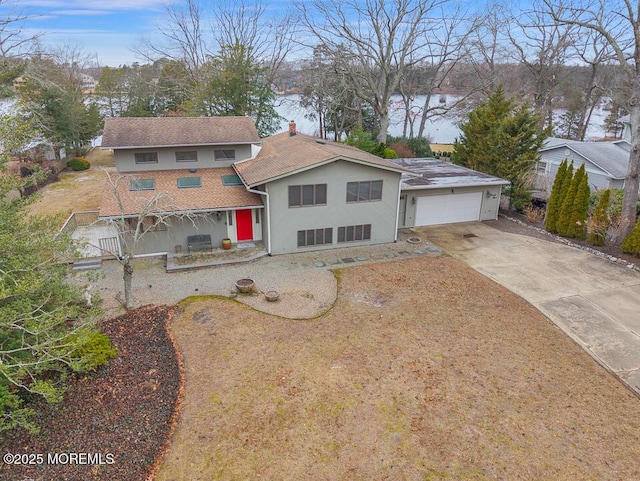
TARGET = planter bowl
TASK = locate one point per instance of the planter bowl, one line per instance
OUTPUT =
(245, 285)
(272, 296)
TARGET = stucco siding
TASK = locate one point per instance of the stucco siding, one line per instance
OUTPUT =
(177, 231)
(287, 221)
(125, 158)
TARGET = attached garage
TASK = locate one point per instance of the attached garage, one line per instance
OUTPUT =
(440, 192)
(448, 208)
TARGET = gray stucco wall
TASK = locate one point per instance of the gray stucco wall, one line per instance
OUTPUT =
(286, 221)
(125, 158)
(179, 229)
(597, 177)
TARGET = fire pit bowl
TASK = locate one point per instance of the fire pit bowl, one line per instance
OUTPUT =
(245, 285)
(272, 296)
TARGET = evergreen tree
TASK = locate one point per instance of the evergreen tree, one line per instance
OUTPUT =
(566, 210)
(501, 139)
(631, 244)
(600, 220)
(46, 331)
(555, 199)
(235, 84)
(580, 212)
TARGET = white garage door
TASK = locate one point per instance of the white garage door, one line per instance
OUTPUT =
(447, 209)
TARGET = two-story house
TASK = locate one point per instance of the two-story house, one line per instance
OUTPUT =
(292, 191)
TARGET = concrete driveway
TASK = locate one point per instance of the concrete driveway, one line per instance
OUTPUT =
(593, 300)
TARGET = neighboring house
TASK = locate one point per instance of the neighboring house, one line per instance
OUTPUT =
(291, 191)
(606, 163)
(445, 193)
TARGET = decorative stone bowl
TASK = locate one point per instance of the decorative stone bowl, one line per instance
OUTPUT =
(245, 285)
(272, 296)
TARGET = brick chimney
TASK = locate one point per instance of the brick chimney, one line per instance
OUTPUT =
(292, 128)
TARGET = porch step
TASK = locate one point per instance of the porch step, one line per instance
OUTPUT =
(87, 264)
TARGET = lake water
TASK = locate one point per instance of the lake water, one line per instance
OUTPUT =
(442, 129)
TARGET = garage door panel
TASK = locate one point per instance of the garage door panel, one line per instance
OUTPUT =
(449, 208)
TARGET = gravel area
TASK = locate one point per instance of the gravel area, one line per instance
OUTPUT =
(305, 282)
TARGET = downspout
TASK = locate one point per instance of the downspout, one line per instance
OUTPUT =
(268, 216)
(398, 208)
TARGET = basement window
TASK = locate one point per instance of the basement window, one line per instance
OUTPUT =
(189, 182)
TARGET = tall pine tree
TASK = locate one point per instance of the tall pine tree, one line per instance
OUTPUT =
(555, 199)
(580, 212)
(501, 139)
(566, 210)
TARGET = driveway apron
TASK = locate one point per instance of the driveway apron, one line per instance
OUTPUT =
(594, 301)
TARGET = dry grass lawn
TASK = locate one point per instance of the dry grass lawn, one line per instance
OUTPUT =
(423, 370)
(75, 191)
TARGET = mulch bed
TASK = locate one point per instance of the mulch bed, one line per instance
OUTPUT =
(121, 415)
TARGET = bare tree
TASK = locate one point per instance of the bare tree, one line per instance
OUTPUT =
(618, 22)
(185, 38)
(269, 39)
(152, 212)
(541, 46)
(14, 41)
(383, 40)
(594, 51)
(446, 44)
(487, 53)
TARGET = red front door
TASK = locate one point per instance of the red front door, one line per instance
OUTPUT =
(244, 224)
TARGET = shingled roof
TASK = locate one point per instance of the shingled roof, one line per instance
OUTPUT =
(212, 195)
(144, 132)
(284, 154)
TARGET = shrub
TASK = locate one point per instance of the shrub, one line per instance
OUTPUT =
(389, 153)
(533, 214)
(558, 192)
(631, 244)
(78, 163)
(93, 349)
(402, 150)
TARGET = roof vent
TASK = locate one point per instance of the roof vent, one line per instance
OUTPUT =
(193, 170)
(321, 141)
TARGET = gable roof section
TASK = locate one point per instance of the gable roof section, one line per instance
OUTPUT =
(145, 132)
(212, 195)
(610, 157)
(283, 155)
